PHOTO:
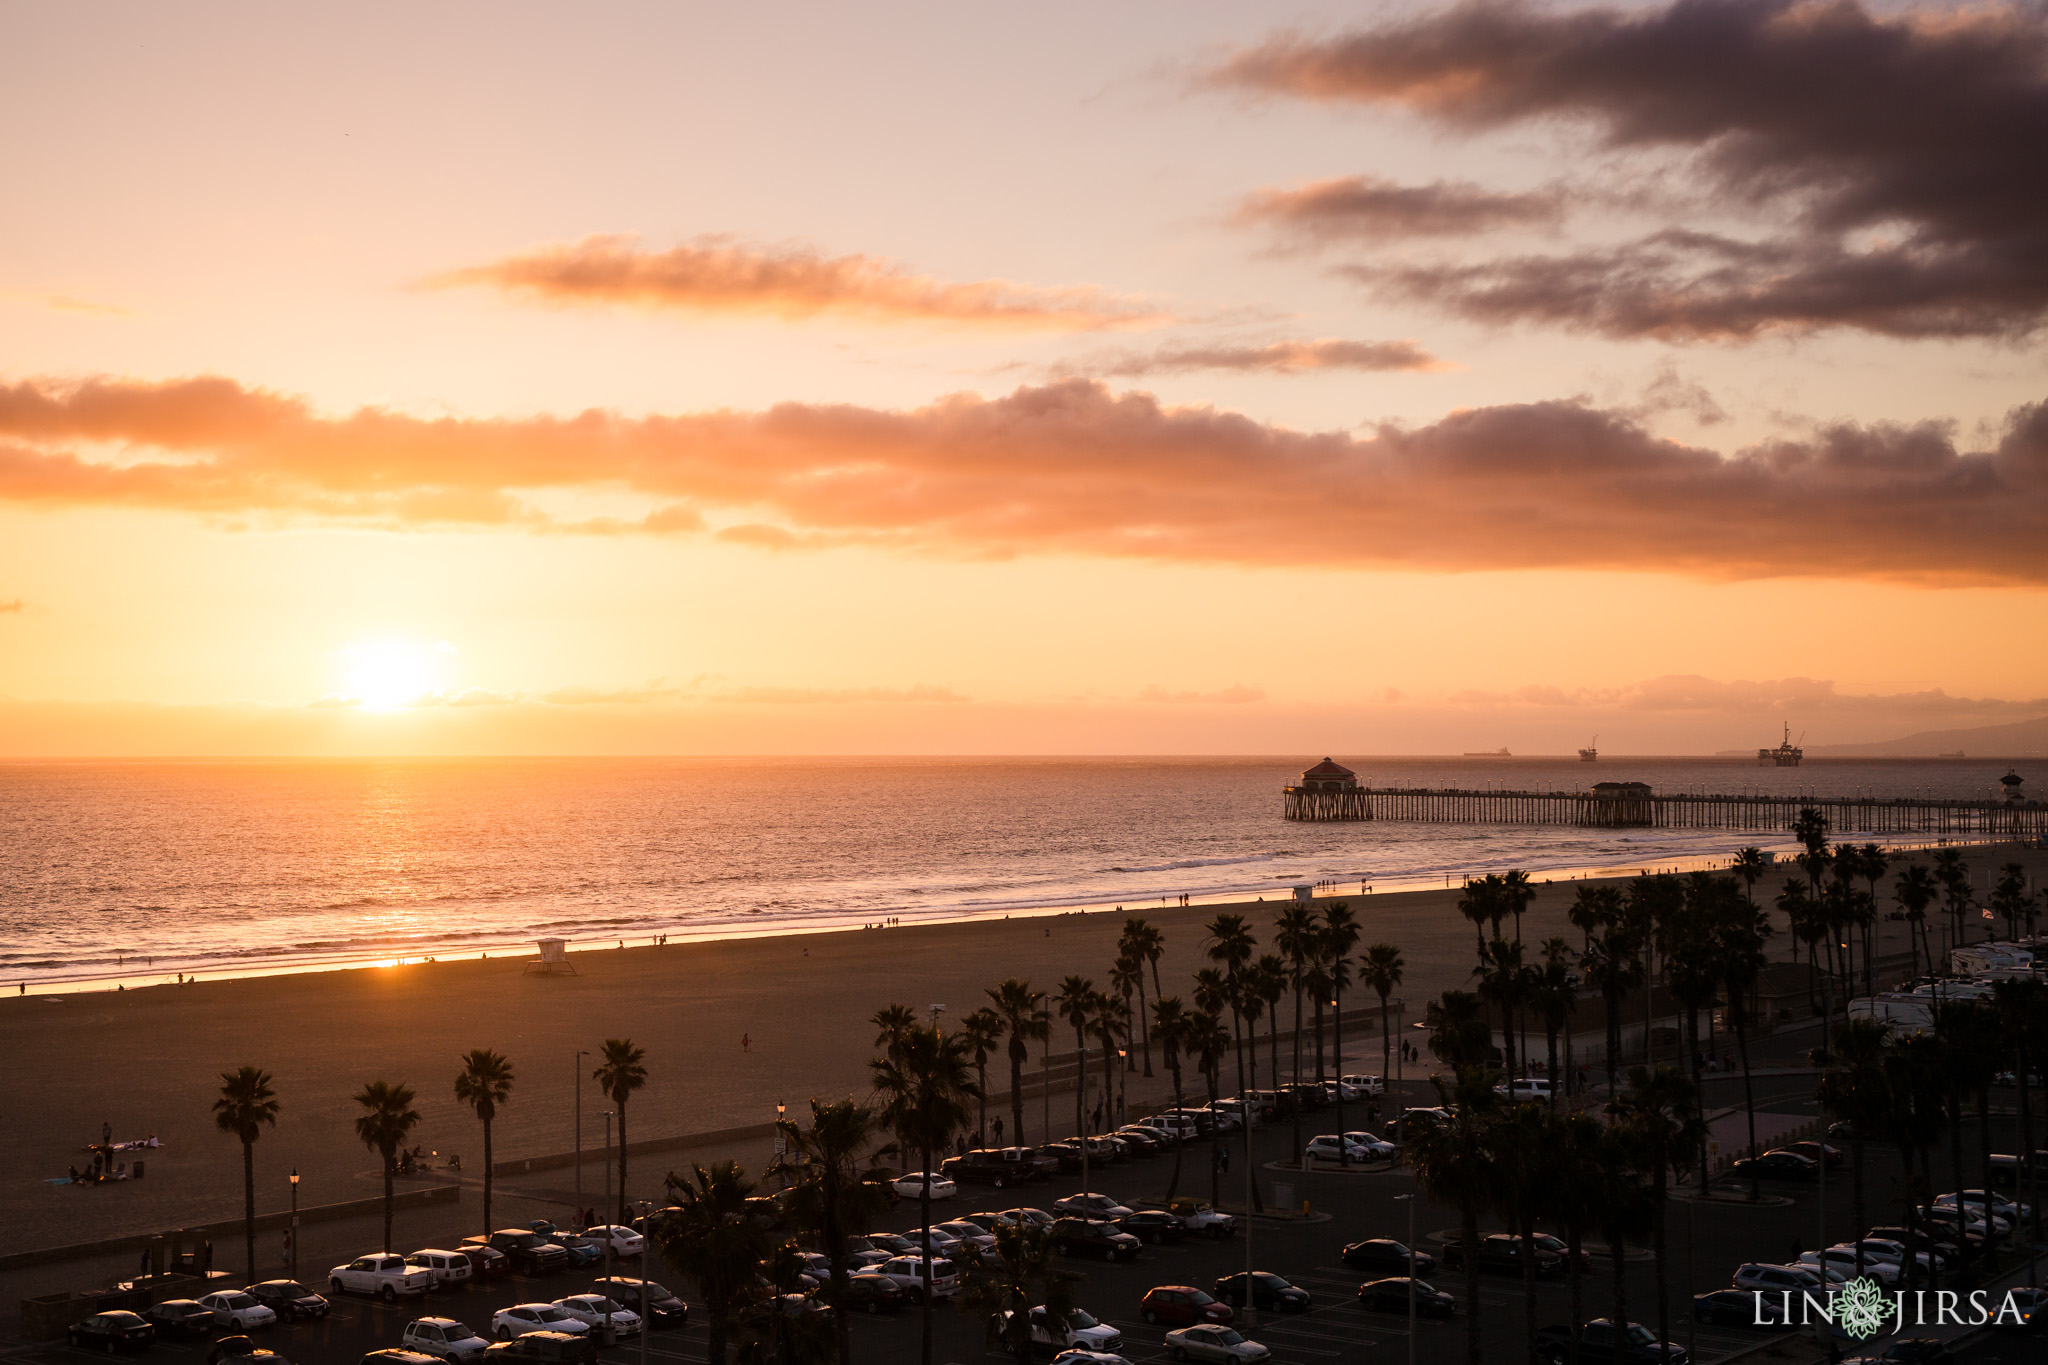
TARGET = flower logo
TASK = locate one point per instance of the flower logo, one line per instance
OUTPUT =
(1861, 1308)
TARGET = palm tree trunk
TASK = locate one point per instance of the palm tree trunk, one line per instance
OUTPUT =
(1657, 1240)
(1273, 1038)
(1144, 1033)
(1617, 1247)
(390, 1160)
(249, 1205)
(1386, 1048)
(622, 1161)
(1856, 1191)
(835, 1248)
(1528, 1232)
(487, 1180)
(1614, 1036)
(1017, 1055)
(1337, 1037)
(1173, 1186)
(1297, 1024)
(1756, 1192)
(1576, 1277)
(981, 1079)
(1319, 1035)
(1984, 1138)
(1080, 1086)
(1550, 1038)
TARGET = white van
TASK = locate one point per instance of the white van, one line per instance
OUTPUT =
(1527, 1088)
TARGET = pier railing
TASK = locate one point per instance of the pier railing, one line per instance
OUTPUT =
(1642, 810)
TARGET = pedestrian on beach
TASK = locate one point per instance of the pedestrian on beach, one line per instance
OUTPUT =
(107, 1134)
(746, 1042)
(143, 1269)
(999, 1130)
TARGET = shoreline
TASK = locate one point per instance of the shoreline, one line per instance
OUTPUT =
(831, 922)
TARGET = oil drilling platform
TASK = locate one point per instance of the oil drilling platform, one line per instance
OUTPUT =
(1786, 755)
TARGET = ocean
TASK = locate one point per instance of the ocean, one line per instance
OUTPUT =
(142, 870)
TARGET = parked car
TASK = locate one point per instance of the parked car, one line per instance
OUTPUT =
(485, 1262)
(384, 1275)
(531, 1253)
(238, 1310)
(1269, 1291)
(657, 1307)
(1328, 1147)
(1135, 1142)
(965, 1234)
(1155, 1226)
(1079, 1331)
(1390, 1295)
(1558, 1247)
(1886, 1249)
(1367, 1084)
(1501, 1252)
(1817, 1151)
(874, 1294)
(1376, 1148)
(1079, 1236)
(544, 1348)
(939, 1280)
(2014, 1212)
(863, 1252)
(180, 1319)
(1386, 1256)
(624, 1242)
(290, 1300)
(522, 1318)
(2032, 1307)
(1525, 1088)
(116, 1330)
(1945, 1250)
(1183, 1305)
(393, 1355)
(1902, 1351)
(447, 1267)
(939, 1243)
(1775, 1165)
(997, 1166)
(591, 1311)
(1201, 1219)
(1886, 1273)
(444, 1339)
(1599, 1344)
(1090, 1206)
(1089, 1358)
(1775, 1279)
(1739, 1308)
(917, 1183)
(582, 1252)
(1214, 1343)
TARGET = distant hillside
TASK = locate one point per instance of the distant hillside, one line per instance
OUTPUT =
(2021, 739)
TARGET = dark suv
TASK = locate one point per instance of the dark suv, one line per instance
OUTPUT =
(530, 1253)
(1080, 1236)
(997, 1166)
(543, 1348)
(656, 1306)
(289, 1299)
(1502, 1252)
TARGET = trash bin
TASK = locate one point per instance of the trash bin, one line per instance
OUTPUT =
(135, 1172)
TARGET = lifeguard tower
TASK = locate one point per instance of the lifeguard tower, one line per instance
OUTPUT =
(553, 959)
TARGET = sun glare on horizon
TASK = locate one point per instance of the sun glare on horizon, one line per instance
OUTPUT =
(385, 675)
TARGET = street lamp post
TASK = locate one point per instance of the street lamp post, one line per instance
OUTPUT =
(577, 1067)
(294, 1236)
(1409, 1200)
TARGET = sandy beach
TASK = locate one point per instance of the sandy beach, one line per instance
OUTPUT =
(147, 1060)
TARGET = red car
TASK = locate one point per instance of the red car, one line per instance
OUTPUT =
(1182, 1305)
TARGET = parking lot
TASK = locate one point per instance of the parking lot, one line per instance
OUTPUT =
(1707, 1240)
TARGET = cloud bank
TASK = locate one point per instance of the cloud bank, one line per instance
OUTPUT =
(1893, 159)
(1370, 208)
(1073, 467)
(1279, 357)
(720, 275)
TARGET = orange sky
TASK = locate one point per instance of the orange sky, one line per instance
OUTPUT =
(919, 380)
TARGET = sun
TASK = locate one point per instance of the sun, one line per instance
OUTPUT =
(385, 675)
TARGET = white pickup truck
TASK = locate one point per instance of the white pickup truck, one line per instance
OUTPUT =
(385, 1275)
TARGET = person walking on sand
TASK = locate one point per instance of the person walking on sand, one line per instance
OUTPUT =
(746, 1042)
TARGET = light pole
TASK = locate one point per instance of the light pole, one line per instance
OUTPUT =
(1409, 1200)
(1122, 1063)
(781, 1149)
(609, 1339)
(294, 1235)
(577, 1067)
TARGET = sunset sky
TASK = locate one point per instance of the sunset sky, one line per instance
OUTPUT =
(1154, 377)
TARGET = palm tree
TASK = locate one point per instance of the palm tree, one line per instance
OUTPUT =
(1169, 1030)
(1804, 922)
(891, 1023)
(387, 1120)
(825, 1167)
(983, 1029)
(1379, 971)
(1110, 1024)
(1501, 984)
(1750, 866)
(925, 1088)
(1554, 992)
(1913, 1120)
(484, 1083)
(1230, 946)
(1614, 968)
(1515, 895)
(1143, 944)
(1954, 875)
(1251, 1008)
(1741, 954)
(1577, 1166)
(712, 1238)
(1872, 863)
(1518, 1139)
(246, 1106)
(1454, 1164)
(1018, 1005)
(1204, 1036)
(1127, 979)
(1480, 903)
(1661, 1112)
(1855, 1090)
(1266, 981)
(2022, 1008)
(619, 1076)
(1459, 1033)
(1299, 938)
(2011, 898)
(1977, 1035)
(1915, 891)
(1077, 1006)
(1024, 1275)
(1594, 910)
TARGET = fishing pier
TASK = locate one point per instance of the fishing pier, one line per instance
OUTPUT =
(1330, 791)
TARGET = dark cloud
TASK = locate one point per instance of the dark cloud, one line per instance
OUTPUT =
(1892, 161)
(1075, 468)
(1372, 209)
(1279, 357)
